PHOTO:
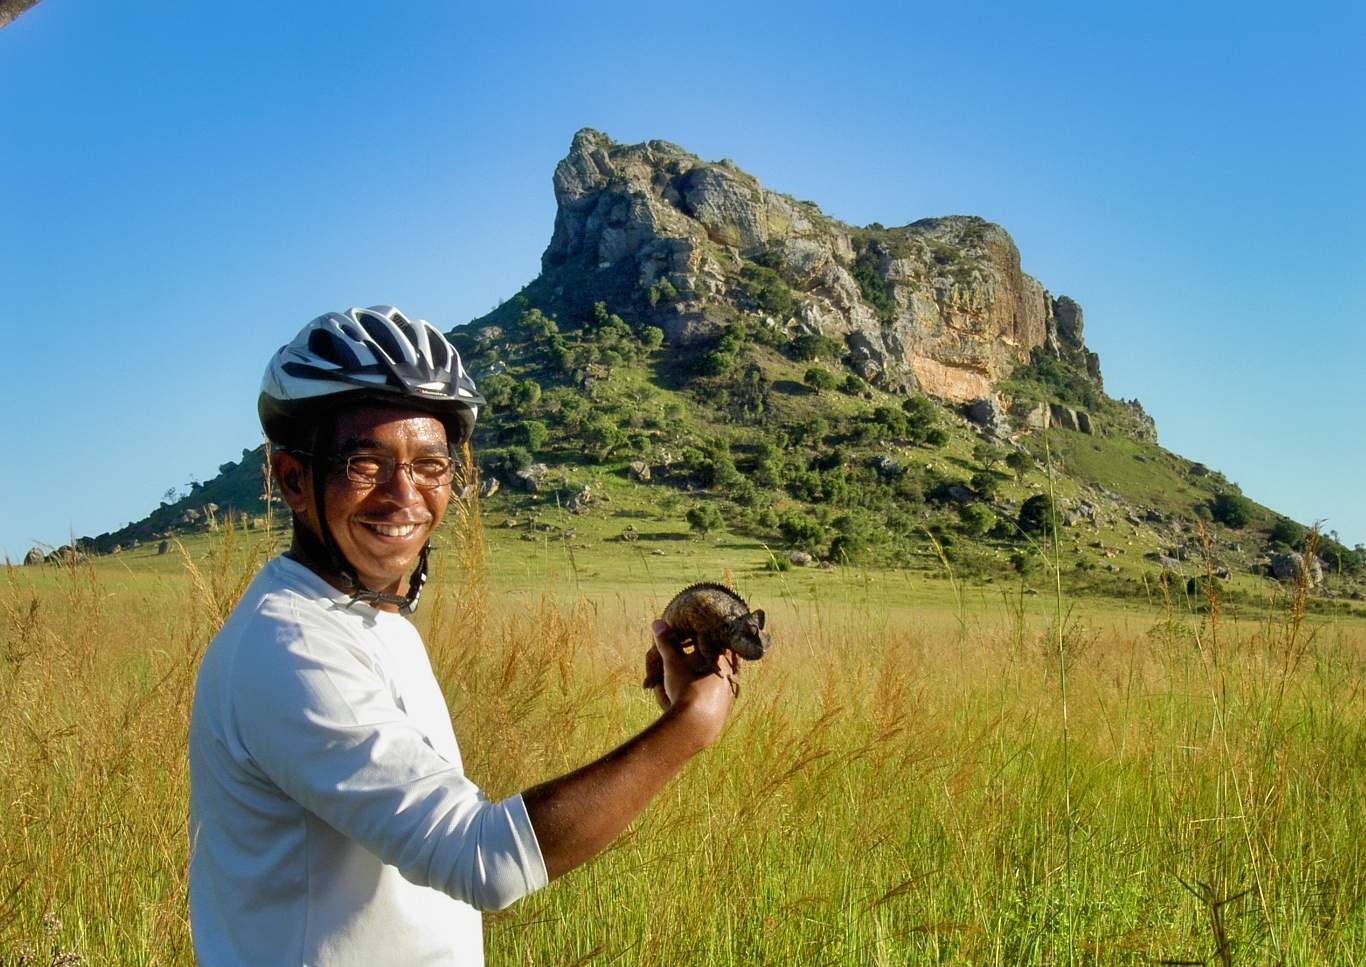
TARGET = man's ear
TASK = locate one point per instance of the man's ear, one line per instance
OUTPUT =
(289, 473)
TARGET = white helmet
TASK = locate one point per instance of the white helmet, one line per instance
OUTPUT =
(365, 355)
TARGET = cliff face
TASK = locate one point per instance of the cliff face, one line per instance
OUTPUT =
(940, 306)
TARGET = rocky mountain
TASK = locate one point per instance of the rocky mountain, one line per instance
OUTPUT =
(940, 306)
(698, 347)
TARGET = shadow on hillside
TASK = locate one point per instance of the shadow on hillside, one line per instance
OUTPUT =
(791, 387)
(661, 536)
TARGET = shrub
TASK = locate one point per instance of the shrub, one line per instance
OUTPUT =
(810, 346)
(976, 519)
(988, 454)
(799, 529)
(1286, 532)
(1020, 463)
(984, 483)
(704, 518)
(526, 393)
(651, 338)
(936, 437)
(1036, 514)
(1232, 510)
(531, 434)
(767, 288)
(853, 385)
(818, 379)
(662, 291)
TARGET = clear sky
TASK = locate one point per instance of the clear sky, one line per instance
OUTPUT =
(183, 185)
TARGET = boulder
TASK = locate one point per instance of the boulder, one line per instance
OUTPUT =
(639, 471)
(960, 494)
(1290, 566)
(532, 479)
(34, 556)
(630, 533)
(488, 486)
(987, 413)
(580, 499)
(163, 547)
(888, 466)
(800, 558)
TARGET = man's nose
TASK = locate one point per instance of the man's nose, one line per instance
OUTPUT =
(401, 487)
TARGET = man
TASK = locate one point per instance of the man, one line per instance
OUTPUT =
(330, 818)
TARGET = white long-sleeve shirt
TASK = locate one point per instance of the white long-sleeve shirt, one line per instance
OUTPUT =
(331, 821)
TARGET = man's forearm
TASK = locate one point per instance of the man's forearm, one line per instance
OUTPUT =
(577, 815)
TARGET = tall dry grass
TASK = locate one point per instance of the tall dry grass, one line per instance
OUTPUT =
(888, 791)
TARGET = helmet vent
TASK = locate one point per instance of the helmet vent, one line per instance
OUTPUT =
(382, 336)
(327, 346)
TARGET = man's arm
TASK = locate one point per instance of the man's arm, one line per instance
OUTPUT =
(576, 816)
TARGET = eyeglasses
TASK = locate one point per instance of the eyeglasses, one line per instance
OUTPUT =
(377, 469)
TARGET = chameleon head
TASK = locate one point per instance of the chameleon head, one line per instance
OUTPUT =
(748, 639)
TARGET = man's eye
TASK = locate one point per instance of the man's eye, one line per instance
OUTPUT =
(366, 466)
(430, 466)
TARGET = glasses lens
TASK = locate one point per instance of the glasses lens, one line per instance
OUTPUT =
(375, 470)
(369, 469)
(430, 472)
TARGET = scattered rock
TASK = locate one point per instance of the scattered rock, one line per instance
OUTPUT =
(34, 556)
(656, 552)
(960, 494)
(630, 533)
(532, 479)
(639, 471)
(163, 547)
(1291, 567)
(800, 558)
(489, 486)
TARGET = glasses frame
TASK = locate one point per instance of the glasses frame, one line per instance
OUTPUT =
(454, 464)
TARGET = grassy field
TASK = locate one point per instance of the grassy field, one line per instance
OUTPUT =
(920, 772)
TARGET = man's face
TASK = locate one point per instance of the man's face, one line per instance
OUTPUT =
(380, 528)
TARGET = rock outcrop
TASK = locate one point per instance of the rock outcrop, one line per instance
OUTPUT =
(940, 306)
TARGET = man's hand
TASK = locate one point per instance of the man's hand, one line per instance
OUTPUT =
(577, 815)
(702, 693)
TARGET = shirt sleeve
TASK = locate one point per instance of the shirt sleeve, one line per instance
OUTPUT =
(322, 725)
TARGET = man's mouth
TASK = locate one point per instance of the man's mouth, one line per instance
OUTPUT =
(390, 530)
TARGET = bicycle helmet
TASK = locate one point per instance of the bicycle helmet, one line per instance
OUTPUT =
(363, 356)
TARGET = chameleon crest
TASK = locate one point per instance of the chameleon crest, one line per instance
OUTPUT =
(710, 618)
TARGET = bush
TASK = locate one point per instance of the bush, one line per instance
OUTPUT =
(818, 379)
(1020, 463)
(704, 518)
(810, 346)
(662, 291)
(799, 529)
(988, 454)
(984, 483)
(1036, 514)
(936, 437)
(531, 434)
(1286, 532)
(1231, 510)
(651, 338)
(853, 385)
(767, 288)
(508, 460)
(976, 519)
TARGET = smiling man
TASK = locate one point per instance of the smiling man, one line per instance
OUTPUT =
(331, 821)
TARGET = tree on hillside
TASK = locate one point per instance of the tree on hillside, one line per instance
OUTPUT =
(1231, 510)
(1020, 463)
(704, 518)
(988, 454)
(1036, 514)
(818, 379)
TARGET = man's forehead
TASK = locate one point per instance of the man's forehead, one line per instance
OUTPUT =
(388, 424)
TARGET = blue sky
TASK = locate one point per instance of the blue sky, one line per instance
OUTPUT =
(186, 184)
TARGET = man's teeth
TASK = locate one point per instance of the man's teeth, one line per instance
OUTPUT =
(392, 530)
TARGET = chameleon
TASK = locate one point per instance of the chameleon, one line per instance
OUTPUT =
(710, 618)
